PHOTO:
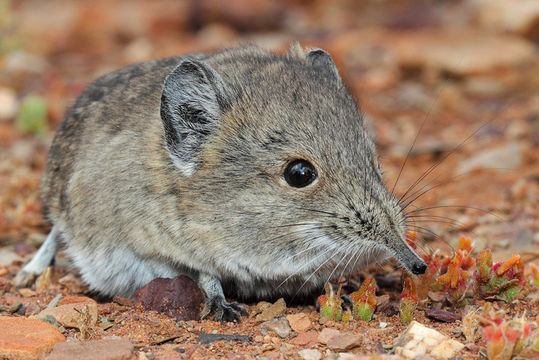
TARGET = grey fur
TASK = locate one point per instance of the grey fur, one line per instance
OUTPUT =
(135, 198)
(320, 58)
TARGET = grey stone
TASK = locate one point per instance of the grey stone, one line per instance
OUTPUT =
(279, 326)
(503, 158)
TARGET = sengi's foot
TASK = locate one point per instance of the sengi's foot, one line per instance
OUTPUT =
(224, 311)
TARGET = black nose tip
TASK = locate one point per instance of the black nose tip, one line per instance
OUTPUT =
(419, 268)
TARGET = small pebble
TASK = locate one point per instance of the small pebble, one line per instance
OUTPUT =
(344, 342)
(27, 292)
(327, 334)
(310, 354)
(299, 322)
(273, 311)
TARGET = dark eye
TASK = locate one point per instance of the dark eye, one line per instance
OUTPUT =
(300, 173)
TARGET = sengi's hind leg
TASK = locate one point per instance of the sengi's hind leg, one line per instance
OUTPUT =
(41, 260)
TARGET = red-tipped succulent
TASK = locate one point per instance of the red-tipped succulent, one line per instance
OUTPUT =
(330, 304)
(408, 300)
(504, 280)
(501, 340)
(511, 339)
(456, 280)
(465, 248)
(426, 282)
(364, 300)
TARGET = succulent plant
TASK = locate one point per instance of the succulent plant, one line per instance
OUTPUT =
(364, 300)
(504, 280)
(330, 304)
(408, 300)
(456, 280)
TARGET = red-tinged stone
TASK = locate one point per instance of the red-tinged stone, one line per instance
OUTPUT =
(22, 338)
(344, 342)
(179, 298)
(326, 334)
(305, 339)
(75, 300)
(300, 323)
(111, 348)
(76, 315)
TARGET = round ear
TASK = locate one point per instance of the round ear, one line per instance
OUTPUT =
(192, 102)
(321, 59)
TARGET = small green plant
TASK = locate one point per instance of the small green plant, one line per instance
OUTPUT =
(427, 281)
(504, 280)
(456, 280)
(364, 300)
(330, 305)
(509, 339)
(408, 300)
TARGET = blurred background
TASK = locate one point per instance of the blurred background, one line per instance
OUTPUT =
(467, 70)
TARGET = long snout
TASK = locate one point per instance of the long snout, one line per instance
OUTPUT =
(407, 256)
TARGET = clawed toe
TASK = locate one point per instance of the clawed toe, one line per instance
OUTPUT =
(24, 279)
(230, 312)
(224, 311)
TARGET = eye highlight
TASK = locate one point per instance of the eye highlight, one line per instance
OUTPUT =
(300, 173)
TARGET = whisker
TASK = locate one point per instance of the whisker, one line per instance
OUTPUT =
(427, 115)
(346, 265)
(441, 221)
(302, 231)
(266, 206)
(337, 266)
(319, 267)
(427, 232)
(311, 247)
(286, 226)
(419, 191)
(307, 264)
(435, 165)
(354, 264)
(419, 209)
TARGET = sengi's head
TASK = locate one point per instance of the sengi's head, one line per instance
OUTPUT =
(278, 162)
